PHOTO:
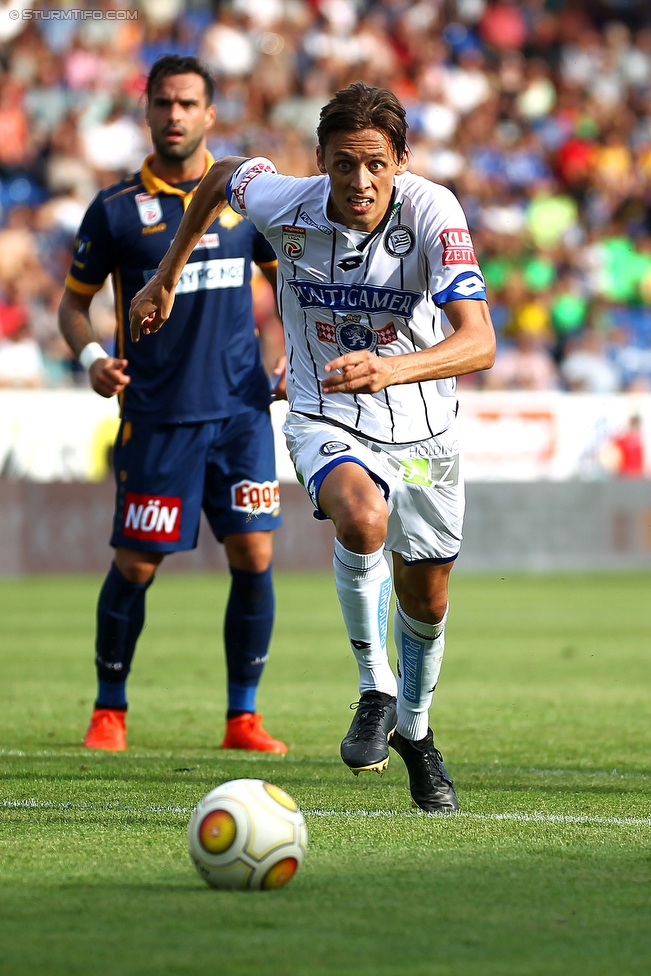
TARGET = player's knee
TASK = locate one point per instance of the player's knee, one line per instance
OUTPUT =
(423, 604)
(137, 567)
(362, 527)
(250, 552)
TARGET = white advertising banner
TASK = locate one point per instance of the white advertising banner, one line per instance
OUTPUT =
(527, 436)
(65, 435)
(56, 435)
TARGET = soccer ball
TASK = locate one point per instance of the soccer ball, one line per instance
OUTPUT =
(247, 834)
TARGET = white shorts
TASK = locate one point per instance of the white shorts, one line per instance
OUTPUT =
(421, 483)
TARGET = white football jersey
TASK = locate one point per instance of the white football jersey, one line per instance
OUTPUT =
(341, 291)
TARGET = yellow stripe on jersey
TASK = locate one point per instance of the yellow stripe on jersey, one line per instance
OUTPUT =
(128, 189)
(119, 314)
(81, 287)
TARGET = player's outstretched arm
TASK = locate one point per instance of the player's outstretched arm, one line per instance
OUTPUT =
(107, 376)
(471, 347)
(151, 307)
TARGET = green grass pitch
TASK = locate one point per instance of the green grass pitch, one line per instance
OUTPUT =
(542, 714)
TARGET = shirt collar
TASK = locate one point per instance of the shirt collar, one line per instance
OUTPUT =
(154, 184)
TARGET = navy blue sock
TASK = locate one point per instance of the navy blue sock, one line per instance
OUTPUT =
(120, 619)
(247, 631)
(112, 695)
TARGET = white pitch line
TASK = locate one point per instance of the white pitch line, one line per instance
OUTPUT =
(550, 818)
(99, 807)
(267, 759)
(217, 757)
(517, 817)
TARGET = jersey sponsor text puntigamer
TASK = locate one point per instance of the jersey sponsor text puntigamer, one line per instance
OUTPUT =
(341, 291)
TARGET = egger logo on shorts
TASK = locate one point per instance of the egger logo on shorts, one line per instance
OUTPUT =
(256, 497)
(156, 518)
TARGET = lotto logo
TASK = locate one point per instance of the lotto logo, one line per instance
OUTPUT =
(457, 246)
(153, 517)
(255, 497)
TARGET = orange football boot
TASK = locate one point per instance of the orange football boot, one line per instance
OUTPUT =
(246, 732)
(107, 730)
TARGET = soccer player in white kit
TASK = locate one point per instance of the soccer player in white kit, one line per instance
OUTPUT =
(368, 255)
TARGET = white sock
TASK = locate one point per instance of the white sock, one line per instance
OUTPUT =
(363, 585)
(420, 654)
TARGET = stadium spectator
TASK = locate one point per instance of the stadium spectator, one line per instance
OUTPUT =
(586, 367)
(536, 115)
(630, 450)
(21, 360)
(528, 363)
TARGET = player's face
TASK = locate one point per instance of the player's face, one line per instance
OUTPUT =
(179, 116)
(361, 167)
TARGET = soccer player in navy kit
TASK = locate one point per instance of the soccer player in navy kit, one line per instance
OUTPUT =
(195, 426)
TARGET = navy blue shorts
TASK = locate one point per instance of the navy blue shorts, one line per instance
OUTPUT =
(166, 473)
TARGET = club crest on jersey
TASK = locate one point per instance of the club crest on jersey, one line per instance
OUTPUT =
(149, 209)
(351, 335)
(293, 242)
(399, 241)
(333, 447)
(156, 518)
(457, 246)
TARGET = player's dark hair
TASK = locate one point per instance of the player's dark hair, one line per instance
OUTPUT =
(360, 107)
(174, 64)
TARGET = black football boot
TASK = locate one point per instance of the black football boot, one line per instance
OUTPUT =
(430, 784)
(366, 746)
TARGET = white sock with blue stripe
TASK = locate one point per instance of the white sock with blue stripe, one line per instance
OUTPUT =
(420, 654)
(363, 583)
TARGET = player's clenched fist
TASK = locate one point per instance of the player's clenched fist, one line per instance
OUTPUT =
(151, 307)
(107, 376)
(358, 372)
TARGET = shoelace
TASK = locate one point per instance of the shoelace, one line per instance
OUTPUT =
(368, 719)
(434, 761)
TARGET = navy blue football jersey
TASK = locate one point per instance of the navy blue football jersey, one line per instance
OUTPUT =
(204, 364)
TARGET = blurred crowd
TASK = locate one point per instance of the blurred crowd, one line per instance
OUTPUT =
(536, 113)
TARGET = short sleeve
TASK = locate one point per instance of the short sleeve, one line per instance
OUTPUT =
(93, 258)
(263, 252)
(248, 178)
(455, 271)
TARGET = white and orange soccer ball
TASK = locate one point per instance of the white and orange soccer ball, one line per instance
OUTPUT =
(247, 834)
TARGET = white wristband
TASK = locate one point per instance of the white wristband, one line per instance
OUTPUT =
(90, 354)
